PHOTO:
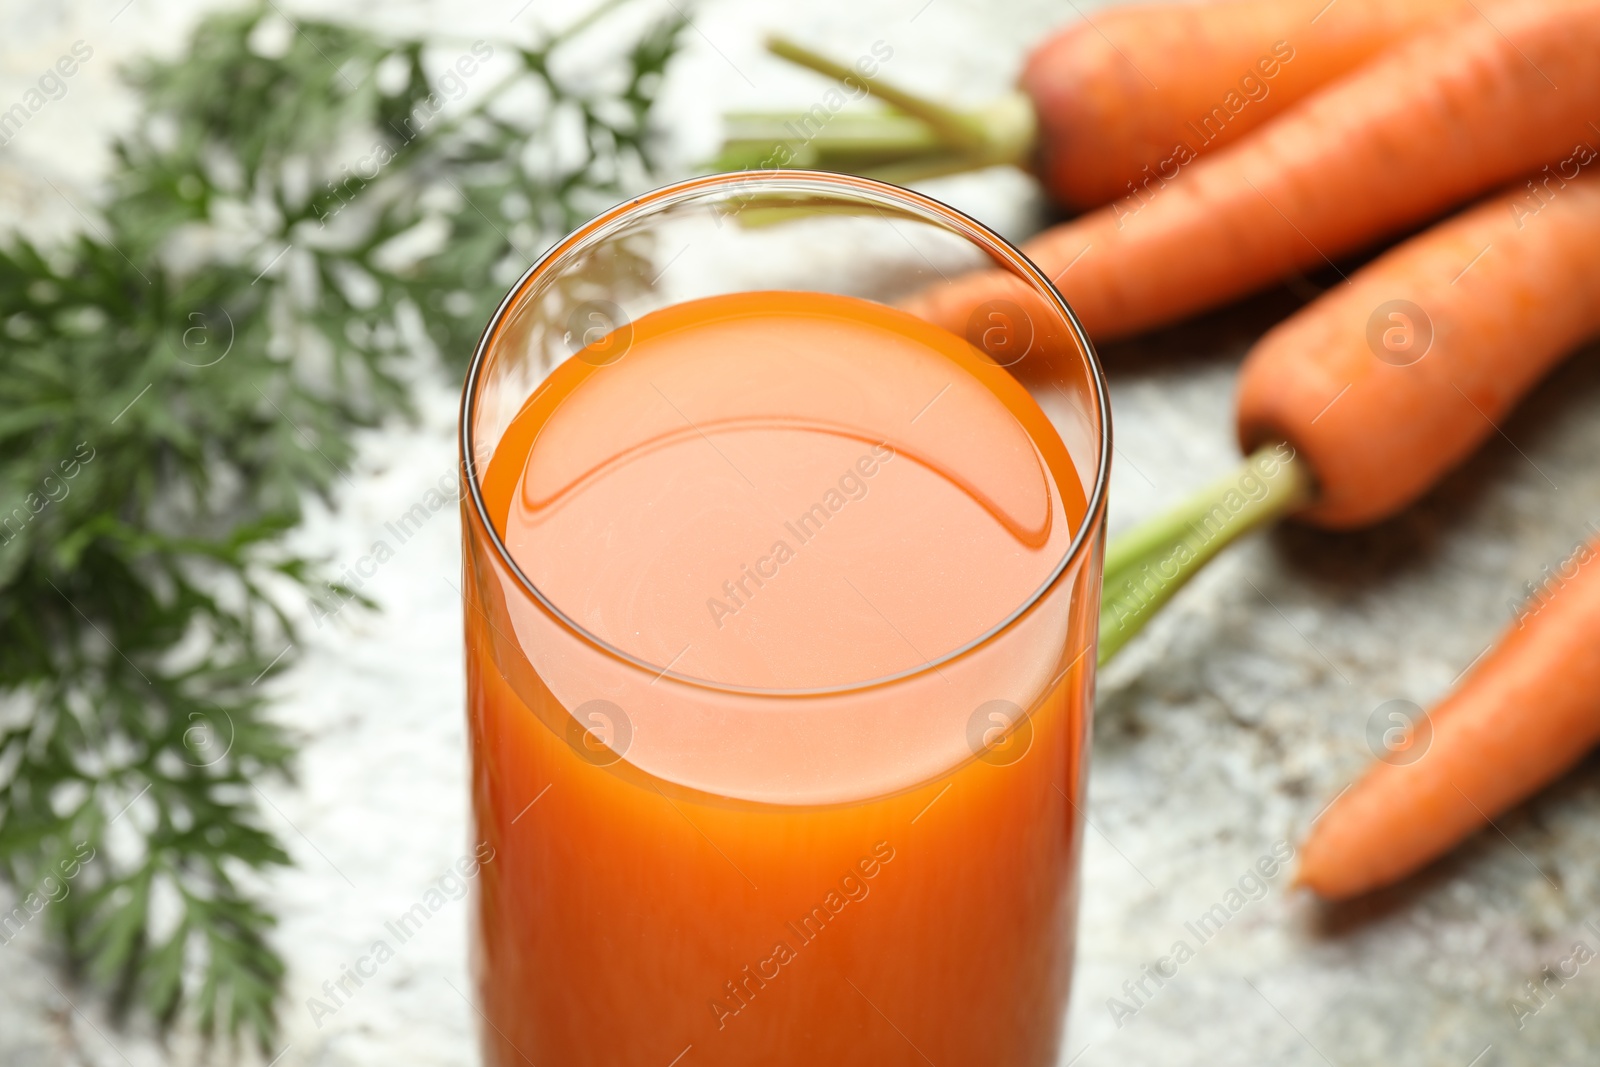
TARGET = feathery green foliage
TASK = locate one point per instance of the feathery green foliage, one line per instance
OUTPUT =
(302, 220)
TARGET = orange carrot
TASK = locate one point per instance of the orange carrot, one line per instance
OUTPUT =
(1123, 96)
(1386, 383)
(1526, 713)
(1381, 386)
(1357, 404)
(1442, 117)
(1119, 101)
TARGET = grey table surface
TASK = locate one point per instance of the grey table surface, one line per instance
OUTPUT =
(1220, 733)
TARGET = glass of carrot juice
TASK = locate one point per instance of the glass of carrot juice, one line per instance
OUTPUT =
(780, 623)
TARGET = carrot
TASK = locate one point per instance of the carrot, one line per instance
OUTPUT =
(1386, 383)
(1103, 107)
(1380, 387)
(1127, 94)
(1357, 404)
(1442, 117)
(1526, 714)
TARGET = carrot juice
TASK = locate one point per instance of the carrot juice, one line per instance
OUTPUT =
(778, 697)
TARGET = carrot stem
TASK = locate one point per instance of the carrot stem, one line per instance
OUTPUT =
(953, 127)
(850, 140)
(913, 138)
(1145, 566)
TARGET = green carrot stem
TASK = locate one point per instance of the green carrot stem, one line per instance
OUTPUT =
(851, 141)
(1147, 565)
(953, 127)
(913, 138)
(847, 130)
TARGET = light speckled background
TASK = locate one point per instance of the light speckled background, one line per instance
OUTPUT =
(1222, 731)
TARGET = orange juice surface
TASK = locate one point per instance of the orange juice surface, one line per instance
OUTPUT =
(738, 819)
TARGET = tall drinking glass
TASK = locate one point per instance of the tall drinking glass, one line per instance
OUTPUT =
(780, 629)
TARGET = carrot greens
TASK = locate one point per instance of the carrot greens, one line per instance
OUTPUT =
(303, 215)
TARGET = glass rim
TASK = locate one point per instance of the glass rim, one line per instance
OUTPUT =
(799, 181)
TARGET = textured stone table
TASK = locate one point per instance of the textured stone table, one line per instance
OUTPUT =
(1221, 732)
